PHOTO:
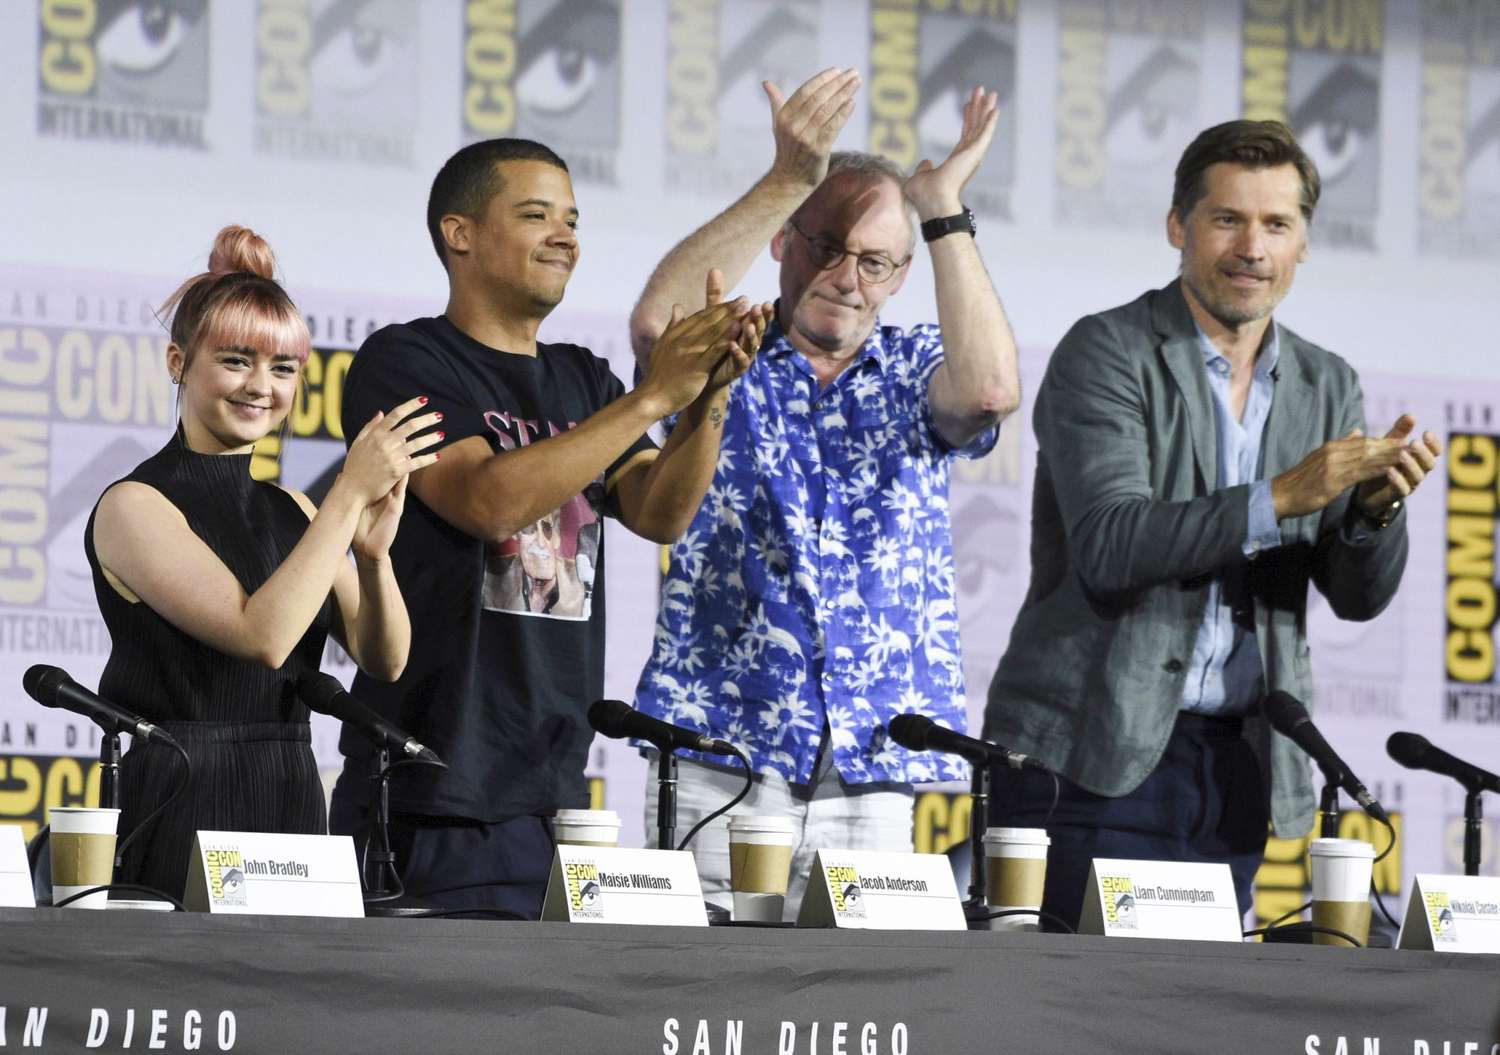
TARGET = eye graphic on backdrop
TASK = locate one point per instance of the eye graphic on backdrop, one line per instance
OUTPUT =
(978, 58)
(354, 45)
(568, 52)
(1151, 113)
(779, 48)
(139, 37)
(1336, 122)
(1484, 153)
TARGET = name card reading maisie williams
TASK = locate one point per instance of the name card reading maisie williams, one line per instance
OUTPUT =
(1161, 899)
(863, 890)
(607, 884)
(271, 874)
(1447, 913)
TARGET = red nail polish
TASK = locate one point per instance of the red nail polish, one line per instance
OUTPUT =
(423, 399)
(442, 435)
(436, 455)
(439, 415)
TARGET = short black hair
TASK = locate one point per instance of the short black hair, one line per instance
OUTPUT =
(1253, 144)
(469, 179)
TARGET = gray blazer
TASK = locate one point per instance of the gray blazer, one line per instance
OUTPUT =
(1128, 526)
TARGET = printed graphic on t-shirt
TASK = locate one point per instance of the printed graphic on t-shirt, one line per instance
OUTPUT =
(547, 568)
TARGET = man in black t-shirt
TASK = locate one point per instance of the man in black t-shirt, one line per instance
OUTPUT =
(501, 554)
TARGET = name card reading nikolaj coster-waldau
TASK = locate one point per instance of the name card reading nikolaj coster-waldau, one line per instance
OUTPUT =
(15, 874)
(271, 874)
(1160, 899)
(606, 884)
(1448, 913)
(862, 890)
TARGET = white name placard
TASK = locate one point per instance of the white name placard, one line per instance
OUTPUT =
(1448, 913)
(607, 884)
(15, 873)
(1161, 899)
(271, 874)
(861, 890)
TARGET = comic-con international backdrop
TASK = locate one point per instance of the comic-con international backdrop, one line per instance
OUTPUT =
(133, 130)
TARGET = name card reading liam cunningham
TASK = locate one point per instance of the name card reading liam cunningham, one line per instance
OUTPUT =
(607, 884)
(271, 874)
(862, 890)
(1161, 899)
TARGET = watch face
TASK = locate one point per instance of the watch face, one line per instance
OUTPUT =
(973, 227)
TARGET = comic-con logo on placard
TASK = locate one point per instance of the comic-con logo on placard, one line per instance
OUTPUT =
(226, 877)
(1469, 565)
(1458, 191)
(1128, 83)
(846, 890)
(1118, 895)
(336, 80)
(1316, 66)
(1440, 916)
(547, 70)
(135, 71)
(925, 56)
(585, 893)
(718, 126)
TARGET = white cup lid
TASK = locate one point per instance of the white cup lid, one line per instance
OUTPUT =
(586, 817)
(1036, 836)
(1341, 848)
(744, 822)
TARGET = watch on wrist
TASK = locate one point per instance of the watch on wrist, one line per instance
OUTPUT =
(932, 230)
(1378, 522)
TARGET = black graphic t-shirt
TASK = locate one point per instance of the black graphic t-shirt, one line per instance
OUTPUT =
(507, 639)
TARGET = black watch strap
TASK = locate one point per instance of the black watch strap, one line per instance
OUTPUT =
(932, 230)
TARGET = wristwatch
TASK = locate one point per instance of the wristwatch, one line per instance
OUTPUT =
(932, 230)
(1378, 523)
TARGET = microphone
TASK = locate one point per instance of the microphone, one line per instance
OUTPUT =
(917, 732)
(1289, 718)
(619, 721)
(1414, 751)
(51, 687)
(323, 693)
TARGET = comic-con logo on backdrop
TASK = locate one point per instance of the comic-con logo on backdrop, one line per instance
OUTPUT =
(1471, 696)
(547, 70)
(335, 80)
(925, 56)
(1458, 197)
(126, 70)
(1315, 64)
(1129, 77)
(718, 52)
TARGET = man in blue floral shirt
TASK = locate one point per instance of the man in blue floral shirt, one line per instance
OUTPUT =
(812, 599)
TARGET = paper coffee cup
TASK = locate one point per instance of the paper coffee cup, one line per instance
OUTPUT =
(83, 852)
(1015, 862)
(587, 827)
(1341, 871)
(760, 862)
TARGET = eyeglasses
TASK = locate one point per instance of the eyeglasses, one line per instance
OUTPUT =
(874, 268)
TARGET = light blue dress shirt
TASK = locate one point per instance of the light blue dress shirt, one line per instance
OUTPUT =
(1225, 675)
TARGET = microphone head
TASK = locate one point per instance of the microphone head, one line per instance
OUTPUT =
(911, 730)
(1409, 749)
(42, 681)
(320, 692)
(1284, 711)
(608, 718)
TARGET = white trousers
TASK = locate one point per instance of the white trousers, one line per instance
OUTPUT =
(825, 814)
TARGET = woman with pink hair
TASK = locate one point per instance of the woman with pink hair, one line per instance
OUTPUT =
(219, 590)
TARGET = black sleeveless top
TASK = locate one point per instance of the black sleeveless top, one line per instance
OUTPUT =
(240, 722)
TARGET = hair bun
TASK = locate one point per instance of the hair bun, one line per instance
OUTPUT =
(241, 249)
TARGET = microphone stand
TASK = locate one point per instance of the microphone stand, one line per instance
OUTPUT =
(976, 907)
(379, 860)
(1473, 816)
(1328, 807)
(666, 799)
(109, 771)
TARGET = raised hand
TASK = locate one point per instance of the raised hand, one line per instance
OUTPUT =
(806, 125)
(690, 349)
(935, 190)
(736, 359)
(378, 523)
(387, 449)
(1333, 468)
(1416, 459)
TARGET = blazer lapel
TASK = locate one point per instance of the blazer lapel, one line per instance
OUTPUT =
(1183, 357)
(1290, 428)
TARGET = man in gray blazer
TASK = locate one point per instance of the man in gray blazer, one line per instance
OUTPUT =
(1198, 466)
